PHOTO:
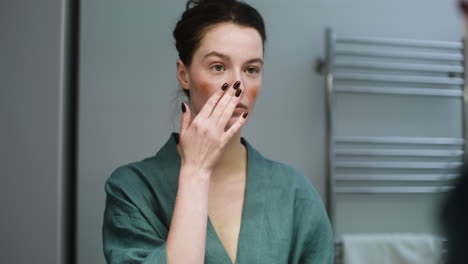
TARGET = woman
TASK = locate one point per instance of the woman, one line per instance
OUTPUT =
(208, 196)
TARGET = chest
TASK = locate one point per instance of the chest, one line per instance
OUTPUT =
(225, 212)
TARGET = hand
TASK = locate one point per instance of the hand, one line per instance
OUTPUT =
(203, 139)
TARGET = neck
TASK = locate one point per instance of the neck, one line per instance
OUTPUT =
(233, 161)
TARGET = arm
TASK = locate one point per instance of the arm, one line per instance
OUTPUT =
(202, 142)
(314, 237)
(187, 233)
(318, 243)
(127, 235)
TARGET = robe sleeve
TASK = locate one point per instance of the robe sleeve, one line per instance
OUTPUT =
(128, 237)
(314, 241)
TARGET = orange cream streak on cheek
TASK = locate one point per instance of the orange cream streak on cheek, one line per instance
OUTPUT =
(205, 89)
(252, 94)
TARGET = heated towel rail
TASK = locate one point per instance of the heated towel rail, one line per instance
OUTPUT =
(385, 67)
(399, 164)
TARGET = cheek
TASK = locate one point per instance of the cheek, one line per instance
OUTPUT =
(205, 88)
(253, 92)
(202, 90)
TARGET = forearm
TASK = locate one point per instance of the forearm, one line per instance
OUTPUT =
(187, 233)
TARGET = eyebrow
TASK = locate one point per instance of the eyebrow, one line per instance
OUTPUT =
(222, 56)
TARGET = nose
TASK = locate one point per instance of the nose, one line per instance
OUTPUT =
(237, 76)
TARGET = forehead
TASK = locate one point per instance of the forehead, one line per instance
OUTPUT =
(232, 40)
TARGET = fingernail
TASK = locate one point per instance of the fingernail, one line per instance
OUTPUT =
(224, 87)
(236, 85)
(183, 108)
(245, 115)
(238, 92)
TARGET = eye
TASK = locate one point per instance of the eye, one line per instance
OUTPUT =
(217, 67)
(252, 70)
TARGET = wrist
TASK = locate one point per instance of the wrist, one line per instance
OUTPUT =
(194, 172)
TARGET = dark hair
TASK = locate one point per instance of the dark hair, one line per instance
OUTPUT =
(199, 15)
(463, 6)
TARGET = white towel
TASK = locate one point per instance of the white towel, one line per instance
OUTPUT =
(393, 248)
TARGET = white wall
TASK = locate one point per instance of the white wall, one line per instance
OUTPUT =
(127, 83)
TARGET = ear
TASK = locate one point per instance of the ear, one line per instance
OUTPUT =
(182, 75)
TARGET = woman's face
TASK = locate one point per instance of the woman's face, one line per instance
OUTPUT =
(227, 53)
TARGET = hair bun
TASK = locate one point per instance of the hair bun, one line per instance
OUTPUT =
(194, 3)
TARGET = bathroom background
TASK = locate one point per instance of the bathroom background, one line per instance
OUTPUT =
(128, 105)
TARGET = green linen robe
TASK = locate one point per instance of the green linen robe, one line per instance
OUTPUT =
(283, 219)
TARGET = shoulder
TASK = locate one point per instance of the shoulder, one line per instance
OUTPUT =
(286, 175)
(306, 202)
(134, 176)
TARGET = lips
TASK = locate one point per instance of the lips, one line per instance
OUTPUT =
(240, 105)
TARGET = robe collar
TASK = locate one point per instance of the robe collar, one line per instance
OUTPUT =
(171, 162)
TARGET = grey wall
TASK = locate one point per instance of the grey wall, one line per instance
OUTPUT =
(128, 83)
(31, 90)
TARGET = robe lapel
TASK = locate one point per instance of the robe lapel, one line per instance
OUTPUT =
(254, 201)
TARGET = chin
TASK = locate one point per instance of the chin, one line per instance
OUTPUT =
(230, 123)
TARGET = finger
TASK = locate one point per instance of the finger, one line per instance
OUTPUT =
(185, 119)
(240, 122)
(212, 101)
(228, 111)
(224, 102)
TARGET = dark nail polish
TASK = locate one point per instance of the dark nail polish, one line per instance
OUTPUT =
(245, 115)
(238, 92)
(224, 87)
(236, 85)
(183, 108)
